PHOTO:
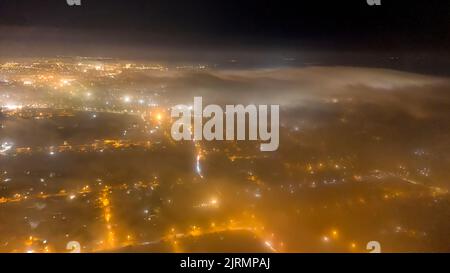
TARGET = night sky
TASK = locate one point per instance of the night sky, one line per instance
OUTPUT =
(350, 23)
(414, 32)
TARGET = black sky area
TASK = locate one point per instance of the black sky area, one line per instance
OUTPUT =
(329, 24)
(131, 28)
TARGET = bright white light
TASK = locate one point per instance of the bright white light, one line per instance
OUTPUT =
(65, 82)
(213, 201)
(6, 146)
(269, 245)
(198, 167)
(12, 106)
(126, 99)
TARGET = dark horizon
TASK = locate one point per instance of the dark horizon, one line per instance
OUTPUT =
(312, 25)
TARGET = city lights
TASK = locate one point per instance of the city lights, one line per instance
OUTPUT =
(91, 158)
